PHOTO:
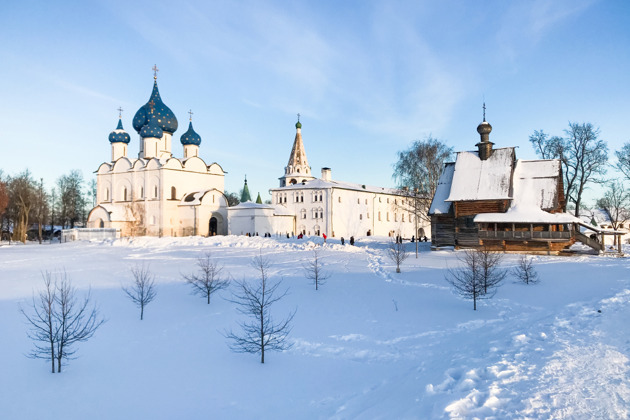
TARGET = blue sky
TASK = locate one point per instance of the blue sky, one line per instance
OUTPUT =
(368, 78)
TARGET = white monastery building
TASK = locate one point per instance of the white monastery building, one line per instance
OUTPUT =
(341, 209)
(156, 193)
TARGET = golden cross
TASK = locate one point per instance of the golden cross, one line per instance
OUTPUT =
(190, 113)
(155, 70)
(120, 110)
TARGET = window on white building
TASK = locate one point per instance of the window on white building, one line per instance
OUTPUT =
(360, 217)
(303, 213)
(387, 216)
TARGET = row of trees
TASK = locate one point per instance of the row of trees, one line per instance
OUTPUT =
(59, 320)
(24, 201)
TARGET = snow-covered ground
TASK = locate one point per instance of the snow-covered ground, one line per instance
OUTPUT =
(369, 344)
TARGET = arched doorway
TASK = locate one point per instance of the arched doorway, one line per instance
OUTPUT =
(212, 231)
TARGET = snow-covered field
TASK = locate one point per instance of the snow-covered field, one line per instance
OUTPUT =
(369, 344)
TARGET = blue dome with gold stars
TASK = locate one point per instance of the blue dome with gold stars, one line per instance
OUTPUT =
(152, 129)
(165, 118)
(190, 136)
(119, 135)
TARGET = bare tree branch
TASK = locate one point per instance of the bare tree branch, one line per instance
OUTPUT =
(525, 271)
(143, 290)
(396, 252)
(208, 280)
(260, 333)
(314, 270)
(59, 321)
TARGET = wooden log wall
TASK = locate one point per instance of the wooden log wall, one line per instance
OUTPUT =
(442, 230)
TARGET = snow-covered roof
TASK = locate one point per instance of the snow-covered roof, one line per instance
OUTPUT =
(439, 205)
(250, 205)
(476, 179)
(320, 184)
(536, 181)
(535, 185)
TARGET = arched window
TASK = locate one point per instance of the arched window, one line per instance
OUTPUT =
(173, 193)
(124, 193)
(141, 192)
(303, 213)
(106, 194)
(155, 192)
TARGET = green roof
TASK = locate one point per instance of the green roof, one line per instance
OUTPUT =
(245, 195)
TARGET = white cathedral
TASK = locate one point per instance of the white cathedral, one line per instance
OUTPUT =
(158, 194)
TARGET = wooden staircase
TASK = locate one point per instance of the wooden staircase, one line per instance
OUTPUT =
(588, 241)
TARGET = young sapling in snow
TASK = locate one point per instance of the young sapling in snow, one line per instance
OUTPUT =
(490, 269)
(525, 270)
(314, 270)
(142, 291)
(474, 279)
(209, 279)
(260, 333)
(396, 252)
(60, 320)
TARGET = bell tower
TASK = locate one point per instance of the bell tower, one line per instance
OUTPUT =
(297, 170)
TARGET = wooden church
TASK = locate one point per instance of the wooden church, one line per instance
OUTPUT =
(489, 198)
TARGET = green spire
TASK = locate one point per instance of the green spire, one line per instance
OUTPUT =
(245, 195)
(258, 199)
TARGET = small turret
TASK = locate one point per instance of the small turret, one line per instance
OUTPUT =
(245, 195)
(485, 145)
(190, 140)
(119, 139)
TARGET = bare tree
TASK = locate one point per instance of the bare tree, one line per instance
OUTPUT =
(135, 215)
(417, 173)
(525, 271)
(142, 291)
(314, 270)
(615, 204)
(468, 279)
(582, 154)
(260, 333)
(209, 279)
(396, 252)
(490, 269)
(60, 320)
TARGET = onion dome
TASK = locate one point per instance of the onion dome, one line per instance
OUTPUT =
(484, 128)
(152, 129)
(119, 135)
(165, 118)
(190, 136)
